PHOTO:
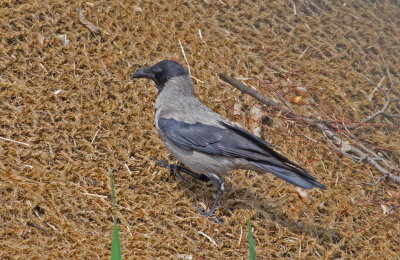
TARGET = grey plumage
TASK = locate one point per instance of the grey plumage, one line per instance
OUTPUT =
(207, 143)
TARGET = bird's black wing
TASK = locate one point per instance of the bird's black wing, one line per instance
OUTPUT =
(210, 139)
(236, 142)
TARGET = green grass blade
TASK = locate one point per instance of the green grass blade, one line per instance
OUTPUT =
(115, 245)
(252, 249)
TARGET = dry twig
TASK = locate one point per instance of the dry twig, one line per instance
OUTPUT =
(356, 151)
(14, 141)
(382, 111)
(184, 56)
(209, 238)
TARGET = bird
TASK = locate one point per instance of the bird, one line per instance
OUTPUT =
(207, 143)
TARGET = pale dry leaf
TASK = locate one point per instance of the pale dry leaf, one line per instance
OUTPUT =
(92, 27)
(184, 256)
(303, 194)
(297, 99)
(40, 38)
(323, 205)
(64, 39)
(256, 115)
(387, 210)
(301, 89)
(345, 146)
(237, 108)
(138, 9)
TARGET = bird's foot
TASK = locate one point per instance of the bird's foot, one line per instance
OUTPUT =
(178, 169)
(209, 214)
(173, 167)
(178, 173)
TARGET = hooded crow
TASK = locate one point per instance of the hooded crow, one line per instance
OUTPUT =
(205, 142)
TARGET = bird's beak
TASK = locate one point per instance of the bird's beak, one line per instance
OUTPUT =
(143, 73)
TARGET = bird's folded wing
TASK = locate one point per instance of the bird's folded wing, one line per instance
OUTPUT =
(228, 141)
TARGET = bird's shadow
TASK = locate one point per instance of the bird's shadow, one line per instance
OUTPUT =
(200, 191)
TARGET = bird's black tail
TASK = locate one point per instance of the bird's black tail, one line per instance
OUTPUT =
(260, 154)
(291, 174)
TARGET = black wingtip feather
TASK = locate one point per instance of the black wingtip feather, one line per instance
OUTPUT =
(293, 176)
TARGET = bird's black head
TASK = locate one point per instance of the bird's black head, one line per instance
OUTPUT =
(161, 72)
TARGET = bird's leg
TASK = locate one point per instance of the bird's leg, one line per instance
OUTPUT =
(219, 185)
(201, 177)
(178, 169)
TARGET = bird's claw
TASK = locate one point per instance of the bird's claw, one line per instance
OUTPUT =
(203, 212)
(208, 214)
(172, 167)
(180, 176)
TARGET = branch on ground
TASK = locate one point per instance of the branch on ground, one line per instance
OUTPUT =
(383, 112)
(357, 151)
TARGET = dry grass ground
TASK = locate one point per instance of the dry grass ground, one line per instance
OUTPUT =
(66, 92)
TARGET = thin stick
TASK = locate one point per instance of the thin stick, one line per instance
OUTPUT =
(95, 195)
(201, 36)
(197, 79)
(376, 88)
(209, 238)
(53, 227)
(129, 230)
(184, 56)
(108, 74)
(242, 87)
(302, 54)
(127, 168)
(365, 77)
(14, 141)
(31, 224)
(337, 180)
(309, 138)
(387, 71)
(240, 237)
(94, 137)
